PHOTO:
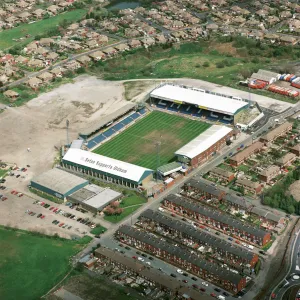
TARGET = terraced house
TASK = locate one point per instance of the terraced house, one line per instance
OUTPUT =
(204, 242)
(217, 220)
(181, 257)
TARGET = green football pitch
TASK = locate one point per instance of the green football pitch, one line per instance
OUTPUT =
(138, 143)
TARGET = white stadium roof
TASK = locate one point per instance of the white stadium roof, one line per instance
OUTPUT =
(203, 141)
(203, 100)
(105, 164)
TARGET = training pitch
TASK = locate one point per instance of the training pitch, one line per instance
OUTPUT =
(139, 143)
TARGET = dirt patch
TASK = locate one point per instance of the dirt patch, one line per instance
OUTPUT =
(294, 190)
(225, 48)
(40, 124)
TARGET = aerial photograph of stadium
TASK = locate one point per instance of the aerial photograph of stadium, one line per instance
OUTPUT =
(149, 150)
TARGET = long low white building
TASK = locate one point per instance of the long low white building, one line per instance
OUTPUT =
(205, 145)
(199, 98)
(106, 168)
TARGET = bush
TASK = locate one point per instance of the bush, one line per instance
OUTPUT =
(220, 64)
(206, 64)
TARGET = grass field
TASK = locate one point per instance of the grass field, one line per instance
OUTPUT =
(131, 203)
(3, 173)
(136, 145)
(31, 265)
(37, 28)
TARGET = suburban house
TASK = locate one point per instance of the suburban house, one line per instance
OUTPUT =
(83, 60)
(286, 160)
(45, 76)
(39, 13)
(34, 83)
(241, 156)
(276, 133)
(269, 173)
(134, 43)
(35, 63)
(98, 55)
(288, 40)
(11, 94)
(110, 51)
(46, 41)
(72, 65)
(249, 186)
(296, 149)
(52, 56)
(122, 47)
(222, 174)
(58, 71)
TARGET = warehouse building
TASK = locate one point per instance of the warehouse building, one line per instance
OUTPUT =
(199, 102)
(203, 147)
(106, 168)
(94, 198)
(182, 258)
(217, 220)
(58, 183)
(205, 242)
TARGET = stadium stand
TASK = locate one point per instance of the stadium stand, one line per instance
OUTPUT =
(115, 128)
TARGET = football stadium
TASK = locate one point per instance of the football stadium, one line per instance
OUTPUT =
(175, 131)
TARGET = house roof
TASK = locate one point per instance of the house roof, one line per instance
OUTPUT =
(197, 236)
(216, 215)
(286, 158)
(222, 172)
(203, 186)
(248, 183)
(119, 258)
(242, 155)
(182, 253)
(273, 133)
(269, 171)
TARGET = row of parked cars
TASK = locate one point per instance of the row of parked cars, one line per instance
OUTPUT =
(61, 224)
(61, 212)
(16, 193)
(32, 213)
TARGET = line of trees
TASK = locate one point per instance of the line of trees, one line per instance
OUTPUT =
(278, 197)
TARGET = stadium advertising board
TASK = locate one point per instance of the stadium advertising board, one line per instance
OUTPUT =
(99, 164)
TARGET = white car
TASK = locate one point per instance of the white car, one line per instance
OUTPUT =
(148, 263)
(244, 244)
(161, 209)
(179, 271)
(140, 259)
(204, 283)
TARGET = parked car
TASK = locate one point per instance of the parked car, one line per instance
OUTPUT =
(185, 274)
(138, 252)
(225, 294)
(143, 254)
(151, 258)
(179, 271)
(195, 286)
(213, 295)
(173, 275)
(194, 278)
(140, 259)
(39, 215)
(217, 233)
(134, 257)
(4, 198)
(61, 224)
(43, 217)
(53, 222)
(217, 290)
(128, 248)
(230, 239)
(202, 289)
(18, 176)
(184, 280)
(204, 283)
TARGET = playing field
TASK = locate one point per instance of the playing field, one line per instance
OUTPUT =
(137, 144)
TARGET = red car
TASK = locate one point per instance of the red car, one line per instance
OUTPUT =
(61, 224)
(55, 210)
(195, 286)
(213, 295)
(12, 192)
(51, 208)
(134, 257)
(202, 289)
(24, 170)
(42, 217)
(20, 195)
(4, 198)
(238, 242)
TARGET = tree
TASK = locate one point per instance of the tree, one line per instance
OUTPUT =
(115, 204)
(118, 211)
(291, 209)
(109, 211)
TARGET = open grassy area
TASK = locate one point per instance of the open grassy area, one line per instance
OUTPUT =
(98, 230)
(137, 144)
(3, 172)
(31, 265)
(37, 28)
(130, 203)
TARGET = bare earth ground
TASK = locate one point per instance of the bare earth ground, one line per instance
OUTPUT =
(294, 190)
(40, 124)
